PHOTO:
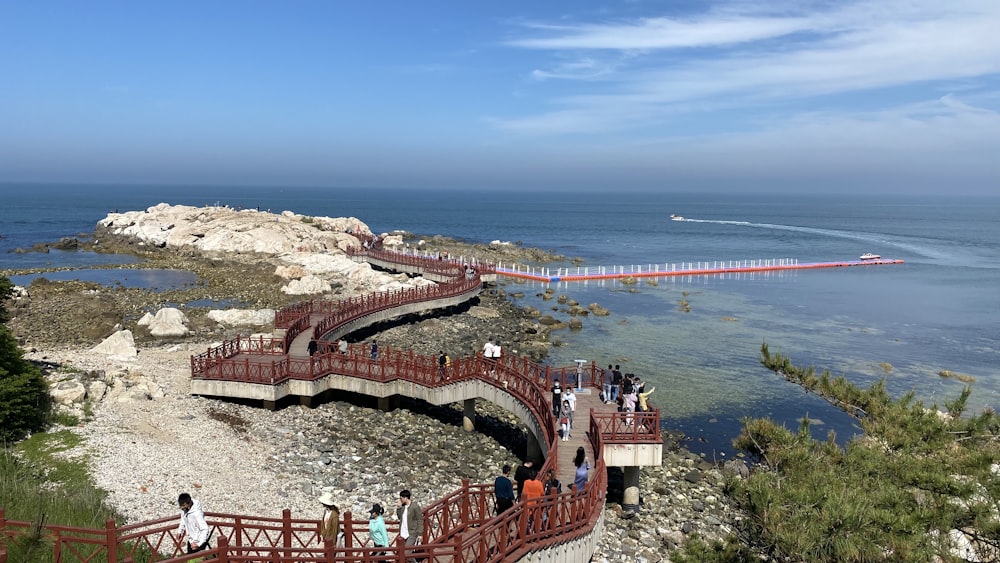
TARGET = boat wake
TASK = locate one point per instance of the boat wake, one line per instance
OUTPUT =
(926, 249)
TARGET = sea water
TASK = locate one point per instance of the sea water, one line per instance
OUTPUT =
(696, 339)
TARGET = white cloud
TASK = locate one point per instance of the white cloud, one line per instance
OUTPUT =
(746, 57)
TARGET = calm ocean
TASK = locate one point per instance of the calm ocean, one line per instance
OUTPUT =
(938, 311)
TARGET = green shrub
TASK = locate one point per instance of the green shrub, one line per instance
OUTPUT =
(24, 394)
(892, 494)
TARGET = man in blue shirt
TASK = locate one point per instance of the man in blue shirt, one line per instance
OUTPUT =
(504, 490)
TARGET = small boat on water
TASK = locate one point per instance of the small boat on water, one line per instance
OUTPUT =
(870, 256)
(676, 217)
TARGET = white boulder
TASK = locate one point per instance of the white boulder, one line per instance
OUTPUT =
(169, 321)
(68, 392)
(119, 345)
(242, 317)
(309, 285)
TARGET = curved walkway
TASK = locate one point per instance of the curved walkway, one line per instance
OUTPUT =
(460, 527)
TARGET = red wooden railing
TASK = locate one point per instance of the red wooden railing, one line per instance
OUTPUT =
(461, 527)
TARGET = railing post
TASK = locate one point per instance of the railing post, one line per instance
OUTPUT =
(111, 540)
(286, 528)
(223, 550)
(3, 536)
(348, 529)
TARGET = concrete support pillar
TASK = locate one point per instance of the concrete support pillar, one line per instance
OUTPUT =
(386, 404)
(306, 401)
(630, 496)
(270, 405)
(469, 415)
(534, 450)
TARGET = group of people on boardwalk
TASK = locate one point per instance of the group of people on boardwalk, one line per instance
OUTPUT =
(194, 533)
(563, 408)
(628, 391)
(528, 488)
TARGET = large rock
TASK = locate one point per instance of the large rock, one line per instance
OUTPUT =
(168, 322)
(309, 285)
(242, 317)
(119, 345)
(68, 392)
(224, 229)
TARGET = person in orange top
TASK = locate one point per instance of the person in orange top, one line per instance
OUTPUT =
(531, 494)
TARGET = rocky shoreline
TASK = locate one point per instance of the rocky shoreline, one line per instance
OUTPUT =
(147, 438)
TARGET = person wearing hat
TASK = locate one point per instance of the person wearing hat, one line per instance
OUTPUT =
(329, 526)
(376, 527)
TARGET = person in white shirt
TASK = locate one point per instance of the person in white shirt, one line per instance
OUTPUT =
(192, 524)
(488, 356)
(497, 351)
(568, 395)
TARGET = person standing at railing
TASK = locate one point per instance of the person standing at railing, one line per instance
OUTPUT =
(342, 346)
(606, 378)
(497, 353)
(616, 383)
(488, 356)
(443, 362)
(643, 398)
(374, 350)
(192, 524)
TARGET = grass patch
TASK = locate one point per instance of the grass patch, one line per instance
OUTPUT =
(40, 486)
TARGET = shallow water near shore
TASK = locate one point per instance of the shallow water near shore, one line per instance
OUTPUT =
(139, 278)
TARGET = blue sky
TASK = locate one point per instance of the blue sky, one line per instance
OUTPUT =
(894, 96)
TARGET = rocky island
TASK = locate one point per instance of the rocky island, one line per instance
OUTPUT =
(120, 357)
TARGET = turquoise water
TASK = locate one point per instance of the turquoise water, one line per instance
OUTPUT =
(936, 311)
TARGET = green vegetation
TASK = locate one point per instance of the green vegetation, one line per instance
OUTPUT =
(24, 394)
(39, 485)
(893, 494)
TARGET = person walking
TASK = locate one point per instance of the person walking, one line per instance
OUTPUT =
(565, 415)
(411, 519)
(376, 528)
(582, 470)
(192, 524)
(531, 495)
(522, 474)
(374, 350)
(329, 524)
(569, 395)
(556, 397)
(503, 490)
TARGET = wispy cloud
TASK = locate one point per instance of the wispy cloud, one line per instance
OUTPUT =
(740, 55)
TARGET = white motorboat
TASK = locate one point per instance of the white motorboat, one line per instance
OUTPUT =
(676, 217)
(870, 256)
